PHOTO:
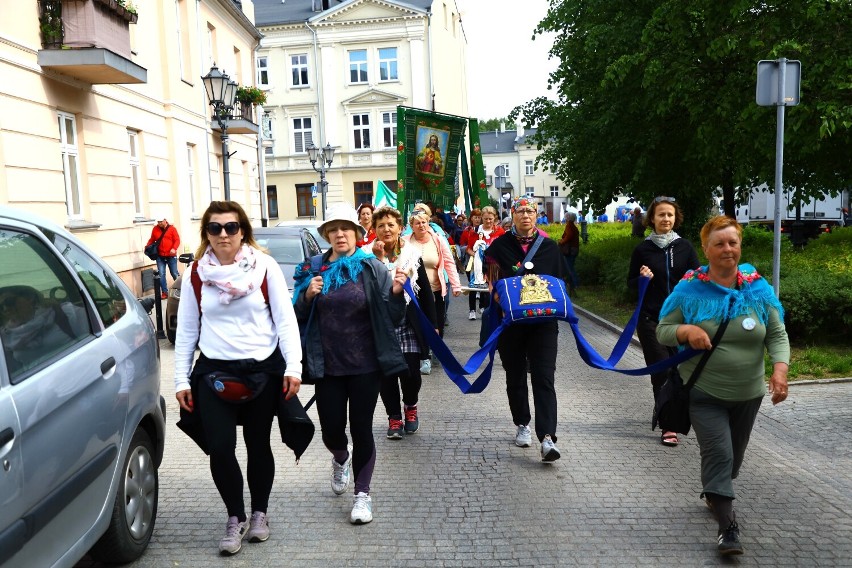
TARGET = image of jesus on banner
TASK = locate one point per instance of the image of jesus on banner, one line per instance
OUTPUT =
(432, 146)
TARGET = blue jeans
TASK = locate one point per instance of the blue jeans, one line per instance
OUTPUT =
(161, 268)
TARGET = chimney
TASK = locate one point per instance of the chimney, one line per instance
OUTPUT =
(502, 126)
(519, 126)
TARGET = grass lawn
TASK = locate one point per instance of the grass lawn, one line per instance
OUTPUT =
(807, 361)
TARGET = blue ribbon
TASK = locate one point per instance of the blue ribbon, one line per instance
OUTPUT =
(458, 372)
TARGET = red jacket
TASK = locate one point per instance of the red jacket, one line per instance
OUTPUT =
(171, 240)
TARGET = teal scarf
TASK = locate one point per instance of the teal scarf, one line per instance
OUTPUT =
(699, 299)
(334, 274)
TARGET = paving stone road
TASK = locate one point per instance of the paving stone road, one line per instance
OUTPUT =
(459, 493)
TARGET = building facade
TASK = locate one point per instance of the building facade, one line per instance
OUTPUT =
(106, 125)
(335, 72)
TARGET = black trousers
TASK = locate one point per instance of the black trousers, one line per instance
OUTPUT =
(440, 312)
(653, 351)
(533, 347)
(361, 393)
(219, 419)
(410, 381)
(484, 300)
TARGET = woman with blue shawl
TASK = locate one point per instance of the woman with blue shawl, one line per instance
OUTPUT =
(350, 310)
(726, 397)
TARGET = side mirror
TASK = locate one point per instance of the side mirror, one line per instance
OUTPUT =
(186, 258)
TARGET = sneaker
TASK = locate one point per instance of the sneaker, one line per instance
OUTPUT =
(341, 474)
(481, 310)
(471, 315)
(523, 439)
(426, 367)
(395, 429)
(164, 296)
(729, 540)
(411, 421)
(258, 527)
(362, 510)
(549, 451)
(235, 532)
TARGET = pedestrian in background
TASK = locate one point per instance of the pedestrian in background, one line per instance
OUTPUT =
(365, 219)
(584, 228)
(351, 309)
(166, 252)
(529, 348)
(638, 223)
(569, 246)
(237, 332)
(725, 400)
(665, 257)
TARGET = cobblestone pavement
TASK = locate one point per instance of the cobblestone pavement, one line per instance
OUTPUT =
(460, 493)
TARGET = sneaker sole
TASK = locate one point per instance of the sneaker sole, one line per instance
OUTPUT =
(407, 431)
(360, 521)
(228, 552)
(524, 444)
(258, 539)
(551, 456)
(731, 551)
(395, 436)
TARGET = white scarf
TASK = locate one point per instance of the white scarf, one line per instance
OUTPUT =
(663, 240)
(233, 280)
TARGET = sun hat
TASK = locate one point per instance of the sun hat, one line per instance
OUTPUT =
(341, 212)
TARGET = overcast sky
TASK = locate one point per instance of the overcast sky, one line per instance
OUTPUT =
(505, 66)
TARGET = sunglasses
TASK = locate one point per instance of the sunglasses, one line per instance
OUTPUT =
(231, 227)
(664, 198)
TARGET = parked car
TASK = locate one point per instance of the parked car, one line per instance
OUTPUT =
(313, 226)
(82, 422)
(288, 245)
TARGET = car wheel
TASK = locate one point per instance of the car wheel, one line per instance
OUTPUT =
(171, 334)
(135, 509)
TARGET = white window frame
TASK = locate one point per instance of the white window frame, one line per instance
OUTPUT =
(298, 67)
(358, 66)
(529, 191)
(301, 135)
(360, 126)
(554, 191)
(70, 156)
(529, 167)
(506, 170)
(262, 65)
(388, 65)
(389, 129)
(135, 170)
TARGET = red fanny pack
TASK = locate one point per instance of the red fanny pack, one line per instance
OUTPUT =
(232, 388)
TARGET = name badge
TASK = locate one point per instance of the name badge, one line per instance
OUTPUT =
(748, 324)
(528, 265)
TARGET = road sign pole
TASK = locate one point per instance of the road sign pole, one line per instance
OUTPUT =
(779, 170)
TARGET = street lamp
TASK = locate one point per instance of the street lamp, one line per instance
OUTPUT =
(221, 92)
(324, 156)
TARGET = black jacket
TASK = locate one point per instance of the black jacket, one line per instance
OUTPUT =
(507, 252)
(668, 265)
(387, 311)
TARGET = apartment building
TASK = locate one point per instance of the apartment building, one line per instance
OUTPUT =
(335, 72)
(512, 151)
(106, 125)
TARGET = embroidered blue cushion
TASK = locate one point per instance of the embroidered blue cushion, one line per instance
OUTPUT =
(532, 298)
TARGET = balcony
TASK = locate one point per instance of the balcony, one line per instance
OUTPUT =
(88, 40)
(241, 120)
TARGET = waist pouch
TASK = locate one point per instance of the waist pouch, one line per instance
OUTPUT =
(232, 388)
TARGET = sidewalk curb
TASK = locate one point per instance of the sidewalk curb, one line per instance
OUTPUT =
(635, 342)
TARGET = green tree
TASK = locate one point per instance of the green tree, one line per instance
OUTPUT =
(494, 124)
(657, 98)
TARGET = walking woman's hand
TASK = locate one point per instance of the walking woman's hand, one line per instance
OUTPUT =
(290, 387)
(778, 383)
(314, 288)
(399, 279)
(184, 399)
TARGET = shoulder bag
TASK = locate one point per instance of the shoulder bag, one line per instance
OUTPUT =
(152, 250)
(671, 411)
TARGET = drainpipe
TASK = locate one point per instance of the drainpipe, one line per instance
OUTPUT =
(429, 39)
(318, 79)
(261, 162)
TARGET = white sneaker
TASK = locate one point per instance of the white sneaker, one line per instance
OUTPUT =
(426, 367)
(523, 439)
(362, 510)
(341, 474)
(471, 315)
(235, 532)
(549, 451)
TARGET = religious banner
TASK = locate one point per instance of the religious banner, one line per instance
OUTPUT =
(479, 191)
(427, 157)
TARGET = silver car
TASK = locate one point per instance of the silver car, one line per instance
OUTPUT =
(82, 422)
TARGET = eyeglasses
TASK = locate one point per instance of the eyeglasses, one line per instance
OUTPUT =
(231, 227)
(664, 198)
(527, 212)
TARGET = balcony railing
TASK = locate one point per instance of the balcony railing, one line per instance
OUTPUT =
(88, 40)
(241, 120)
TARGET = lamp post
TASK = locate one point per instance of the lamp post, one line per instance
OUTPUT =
(221, 92)
(324, 156)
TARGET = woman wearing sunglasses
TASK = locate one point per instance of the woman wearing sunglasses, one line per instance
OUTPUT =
(238, 332)
(664, 257)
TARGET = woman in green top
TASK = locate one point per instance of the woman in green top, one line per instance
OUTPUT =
(726, 398)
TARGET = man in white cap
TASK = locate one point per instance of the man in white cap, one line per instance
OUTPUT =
(166, 251)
